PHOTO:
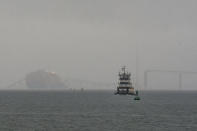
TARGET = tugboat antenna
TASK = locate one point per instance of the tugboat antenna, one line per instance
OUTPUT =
(137, 67)
(124, 69)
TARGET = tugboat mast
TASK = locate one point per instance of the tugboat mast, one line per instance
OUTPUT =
(124, 69)
(137, 66)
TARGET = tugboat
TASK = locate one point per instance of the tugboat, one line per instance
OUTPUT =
(125, 86)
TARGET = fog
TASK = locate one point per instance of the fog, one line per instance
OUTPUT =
(92, 39)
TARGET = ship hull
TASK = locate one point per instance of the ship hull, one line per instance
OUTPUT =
(125, 91)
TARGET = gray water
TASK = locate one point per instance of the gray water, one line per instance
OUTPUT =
(97, 111)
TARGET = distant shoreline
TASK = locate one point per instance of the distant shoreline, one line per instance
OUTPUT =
(89, 90)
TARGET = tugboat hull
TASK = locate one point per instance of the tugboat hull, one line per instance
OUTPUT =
(125, 91)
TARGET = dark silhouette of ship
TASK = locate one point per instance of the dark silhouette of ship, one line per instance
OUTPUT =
(125, 86)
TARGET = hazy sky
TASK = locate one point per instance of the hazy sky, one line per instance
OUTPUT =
(91, 39)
